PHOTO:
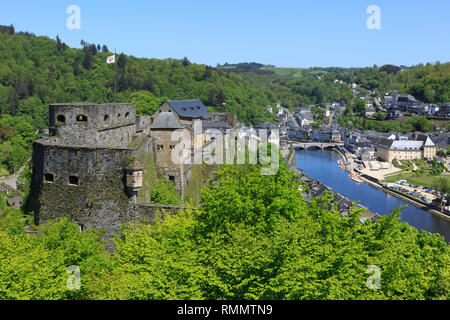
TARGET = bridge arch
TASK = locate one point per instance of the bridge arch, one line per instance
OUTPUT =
(311, 147)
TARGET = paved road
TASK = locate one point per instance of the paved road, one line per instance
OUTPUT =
(12, 181)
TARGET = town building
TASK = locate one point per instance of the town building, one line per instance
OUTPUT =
(395, 149)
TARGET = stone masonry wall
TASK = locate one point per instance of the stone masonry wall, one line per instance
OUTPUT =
(98, 200)
(102, 124)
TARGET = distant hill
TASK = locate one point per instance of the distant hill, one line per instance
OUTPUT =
(36, 71)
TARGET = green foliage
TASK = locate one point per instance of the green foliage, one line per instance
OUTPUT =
(380, 116)
(164, 192)
(359, 107)
(36, 71)
(255, 238)
(199, 179)
(158, 261)
(146, 102)
(34, 266)
(429, 83)
(16, 136)
(442, 184)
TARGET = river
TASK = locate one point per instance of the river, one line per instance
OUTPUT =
(322, 166)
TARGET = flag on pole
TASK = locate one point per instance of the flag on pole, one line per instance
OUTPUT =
(111, 59)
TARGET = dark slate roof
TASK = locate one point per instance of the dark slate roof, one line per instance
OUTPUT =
(166, 120)
(218, 125)
(189, 108)
(215, 124)
(385, 143)
(425, 139)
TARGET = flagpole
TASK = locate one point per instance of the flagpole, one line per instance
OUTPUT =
(115, 78)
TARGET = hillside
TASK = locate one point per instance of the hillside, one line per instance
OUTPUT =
(39, 71)
(36, 71)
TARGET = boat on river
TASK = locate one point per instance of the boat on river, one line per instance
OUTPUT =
(341, 164)
(355, 178)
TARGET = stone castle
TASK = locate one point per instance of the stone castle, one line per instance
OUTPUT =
(93, 165)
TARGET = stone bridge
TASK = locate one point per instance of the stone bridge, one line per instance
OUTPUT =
(316, 145)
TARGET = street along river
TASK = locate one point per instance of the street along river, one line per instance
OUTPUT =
(323, 166)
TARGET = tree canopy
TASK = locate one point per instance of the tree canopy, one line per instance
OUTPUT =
(253, 237)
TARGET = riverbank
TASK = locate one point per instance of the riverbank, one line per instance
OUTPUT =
(405, 198)
(323, 166)
(350, 166)
(317, 189)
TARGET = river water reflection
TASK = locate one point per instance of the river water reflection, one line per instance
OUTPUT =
(322, 166)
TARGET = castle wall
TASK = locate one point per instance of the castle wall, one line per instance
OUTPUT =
(79, 170)
(85, 124)
(166, 168)
(226, 117)
(116, 137)
(97, 199)
(143, 123)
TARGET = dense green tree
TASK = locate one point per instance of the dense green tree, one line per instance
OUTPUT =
(87, 60)
(121, 62)
(164, 192)
(268, 243)
(146, 102)
(35, 267)
(359, 107)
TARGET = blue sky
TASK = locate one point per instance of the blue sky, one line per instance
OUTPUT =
(287, 33)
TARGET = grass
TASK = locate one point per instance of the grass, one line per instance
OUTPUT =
(286, 72)
(149, 179)
(426, 181)
(3, 171)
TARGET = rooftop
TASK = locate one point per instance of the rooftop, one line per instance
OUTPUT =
(166, 120)
(189, 108)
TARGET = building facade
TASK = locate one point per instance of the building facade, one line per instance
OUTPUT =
(421, 148)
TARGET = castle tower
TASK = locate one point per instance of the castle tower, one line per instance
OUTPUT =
(93, 124)
(134, 176)
(161, 130)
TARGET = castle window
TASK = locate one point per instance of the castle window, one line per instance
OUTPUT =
(61, 118)
(73, 180)
(106, 118)
(82, 118)
(118, 116)
(127, 115)
(160, 147)
(48, 177)
(170, 110)
(172, 178)
(151, 120)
